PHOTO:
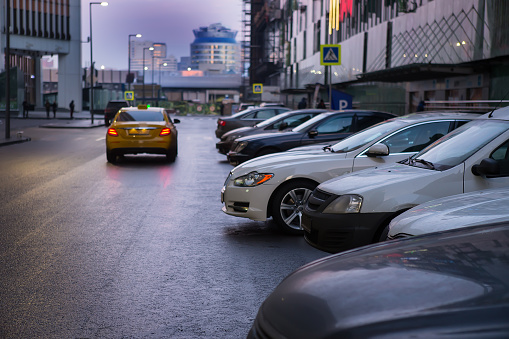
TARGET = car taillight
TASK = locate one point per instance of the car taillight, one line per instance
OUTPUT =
(222, 123)
(165, 131)
(113, 132)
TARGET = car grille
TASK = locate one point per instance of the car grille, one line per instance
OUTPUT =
(318, 200)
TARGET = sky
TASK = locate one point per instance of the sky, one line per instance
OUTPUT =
(167, 21)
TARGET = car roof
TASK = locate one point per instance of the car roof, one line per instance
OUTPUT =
(135, 108)
(501, 114)
(433, 115)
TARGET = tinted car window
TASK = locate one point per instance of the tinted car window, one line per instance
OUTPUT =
(265, 114)
(501, 155)
(140, 116)
(293, 121)
(249, 116)
(365, 121)
(337, 124)
(415, 138)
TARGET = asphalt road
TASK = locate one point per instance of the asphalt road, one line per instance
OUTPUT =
(139, 249)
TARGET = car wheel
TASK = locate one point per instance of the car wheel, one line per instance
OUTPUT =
(288, 203)
(107, 122)
(171, 155)
(111, 157)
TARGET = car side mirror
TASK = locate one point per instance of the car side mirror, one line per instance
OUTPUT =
(313, 133)
(487, 167)
(378, 150)
(176, 121)
(284, 125)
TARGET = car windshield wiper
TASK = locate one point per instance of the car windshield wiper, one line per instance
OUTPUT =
(424, 162)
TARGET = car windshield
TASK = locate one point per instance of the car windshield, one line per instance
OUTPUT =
(270, 121)
(305, 125)
(360, 139)
(140, 116)
(457, 146)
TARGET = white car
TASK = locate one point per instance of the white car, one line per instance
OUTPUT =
(354, 210)
(461, 210)
(278, 185)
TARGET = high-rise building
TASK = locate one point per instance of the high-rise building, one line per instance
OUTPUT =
(138, 48)
(215, 50)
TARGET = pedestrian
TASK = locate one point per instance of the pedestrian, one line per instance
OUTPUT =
(420, 106)
(25, 109)
(71, 108)
(54, 106)
(321, 104)
(302, 104)
(47, 109)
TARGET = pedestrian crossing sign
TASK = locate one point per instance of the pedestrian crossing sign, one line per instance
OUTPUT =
(129, 95)
(257, 88)
(330, 55)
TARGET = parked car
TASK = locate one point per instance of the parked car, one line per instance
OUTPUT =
(142, 129)
(249, 117)
(452, 284)
(324, 127)
(280, 183)
(271, 104)
(280, 122)
(461, 210)
(353, 210)
(112, 108)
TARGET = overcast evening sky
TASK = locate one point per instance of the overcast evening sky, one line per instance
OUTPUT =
(167, 21)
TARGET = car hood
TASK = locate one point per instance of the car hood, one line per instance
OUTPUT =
(395, 287)
(261, 136)
(375, 178)
(276, 161)
(238, 130)
(454, 212)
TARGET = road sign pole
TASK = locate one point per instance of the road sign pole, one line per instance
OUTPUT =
(330, 87)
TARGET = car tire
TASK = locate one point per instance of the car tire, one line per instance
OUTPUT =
(171, 155)
(106, 122)
(111, 157)
(288, 203)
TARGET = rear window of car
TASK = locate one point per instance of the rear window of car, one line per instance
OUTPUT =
(140, 116)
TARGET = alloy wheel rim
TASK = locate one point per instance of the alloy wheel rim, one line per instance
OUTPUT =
(292, 205)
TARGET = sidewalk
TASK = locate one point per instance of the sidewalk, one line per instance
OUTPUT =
(38, 119)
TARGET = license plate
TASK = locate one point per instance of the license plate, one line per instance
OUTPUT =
(138, 132)
(306, 223)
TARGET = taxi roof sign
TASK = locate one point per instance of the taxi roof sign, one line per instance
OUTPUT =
(143, 106)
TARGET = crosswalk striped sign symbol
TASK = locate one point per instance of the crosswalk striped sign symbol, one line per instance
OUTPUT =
(330, 55)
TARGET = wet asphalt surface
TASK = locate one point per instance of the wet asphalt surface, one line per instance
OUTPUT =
(140, 249)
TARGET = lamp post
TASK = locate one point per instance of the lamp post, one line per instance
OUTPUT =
(144, 49)
(152, 75)
(104, 3)
(129, 58)
(160, 83)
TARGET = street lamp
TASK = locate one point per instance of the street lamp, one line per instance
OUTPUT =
(129, 58)
(152, 75)
(150, 49)
(104, 3)
(160, 83)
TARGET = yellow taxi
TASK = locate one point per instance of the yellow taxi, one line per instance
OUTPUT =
(142, 129)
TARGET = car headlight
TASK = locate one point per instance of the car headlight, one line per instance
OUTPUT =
(252, 179)
(240, 146)
(349, 203)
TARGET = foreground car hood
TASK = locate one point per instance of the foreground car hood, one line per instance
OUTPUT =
(375, 178)
(453, 284)
(454, 212)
